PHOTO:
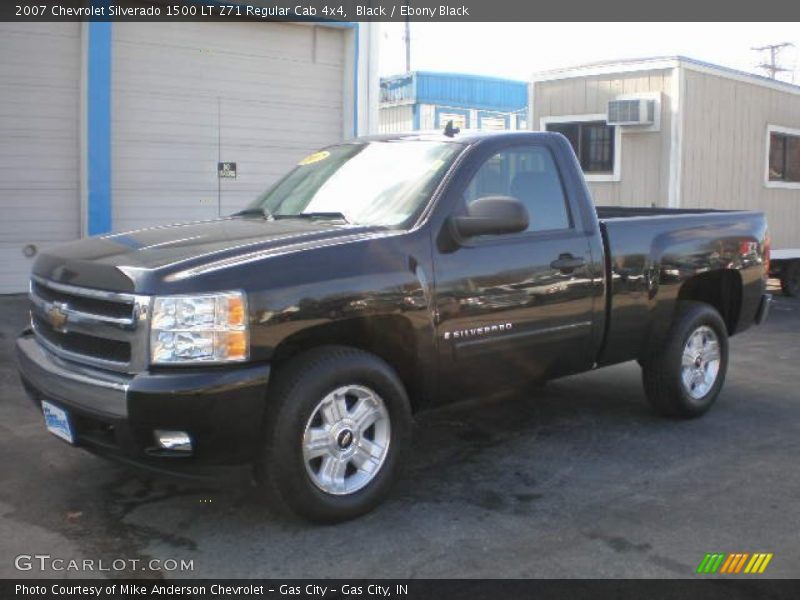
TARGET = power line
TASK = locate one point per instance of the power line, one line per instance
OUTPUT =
(772, 67)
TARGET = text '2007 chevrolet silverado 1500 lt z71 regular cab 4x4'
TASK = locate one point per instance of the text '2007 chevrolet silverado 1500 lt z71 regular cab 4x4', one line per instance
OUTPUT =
(379, 277)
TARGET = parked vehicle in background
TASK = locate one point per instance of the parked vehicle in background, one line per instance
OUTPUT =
(380, 277)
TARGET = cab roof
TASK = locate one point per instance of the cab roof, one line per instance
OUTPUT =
(465, 136)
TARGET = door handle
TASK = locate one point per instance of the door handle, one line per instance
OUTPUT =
(566, 263)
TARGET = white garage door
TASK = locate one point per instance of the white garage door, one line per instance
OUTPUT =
(39, 142)
(188, 95)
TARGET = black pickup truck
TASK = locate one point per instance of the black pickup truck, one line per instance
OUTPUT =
(380, 277)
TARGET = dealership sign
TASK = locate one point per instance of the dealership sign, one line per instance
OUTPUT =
(226, 170)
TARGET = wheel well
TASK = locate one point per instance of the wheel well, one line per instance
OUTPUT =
(721, 289)
(389, 337)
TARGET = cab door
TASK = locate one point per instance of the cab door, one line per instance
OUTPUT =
(516, 307)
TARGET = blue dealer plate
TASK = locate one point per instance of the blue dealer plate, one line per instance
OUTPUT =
(57, 421)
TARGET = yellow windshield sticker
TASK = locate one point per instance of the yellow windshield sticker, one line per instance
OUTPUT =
(316, 157)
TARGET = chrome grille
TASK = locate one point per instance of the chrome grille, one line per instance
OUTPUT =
(89, 326)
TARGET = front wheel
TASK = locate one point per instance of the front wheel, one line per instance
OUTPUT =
(340, 423)
(684, 374)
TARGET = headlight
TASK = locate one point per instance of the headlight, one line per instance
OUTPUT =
(203, 328)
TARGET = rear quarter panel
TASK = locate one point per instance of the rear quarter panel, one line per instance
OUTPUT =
(651, 258)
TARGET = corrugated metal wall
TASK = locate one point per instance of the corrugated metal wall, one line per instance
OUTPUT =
(258, 94)
(470, 91)
(39, 142)
(644, 172)
(725, 145)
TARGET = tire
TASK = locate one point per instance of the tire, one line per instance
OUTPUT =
(681, 378)
(322, 459)
(790, 279)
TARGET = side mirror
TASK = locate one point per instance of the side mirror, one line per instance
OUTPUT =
(492, 215)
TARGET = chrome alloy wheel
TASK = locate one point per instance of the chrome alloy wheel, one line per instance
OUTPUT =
(700, 362)
(346, 440)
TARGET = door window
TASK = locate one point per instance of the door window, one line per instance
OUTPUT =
(528, 174)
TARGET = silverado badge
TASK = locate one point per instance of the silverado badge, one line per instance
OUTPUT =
(475, 331)
(58, 317)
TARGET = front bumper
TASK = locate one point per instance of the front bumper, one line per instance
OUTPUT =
(222, 408)
(763, 308)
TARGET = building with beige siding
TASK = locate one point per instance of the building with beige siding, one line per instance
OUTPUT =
(676, 132)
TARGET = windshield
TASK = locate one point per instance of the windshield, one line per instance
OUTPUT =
(373, 183)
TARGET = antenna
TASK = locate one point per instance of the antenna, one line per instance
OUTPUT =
(449, 130)
(772, 67)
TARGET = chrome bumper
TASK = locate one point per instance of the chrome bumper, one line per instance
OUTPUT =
(763, 309)
(99, 392)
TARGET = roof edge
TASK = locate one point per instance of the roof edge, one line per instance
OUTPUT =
(453, 74)
(662, 63)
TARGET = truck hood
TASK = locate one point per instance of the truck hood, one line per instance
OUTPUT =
(118, 262)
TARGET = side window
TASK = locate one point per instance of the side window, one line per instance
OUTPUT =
(528, 174)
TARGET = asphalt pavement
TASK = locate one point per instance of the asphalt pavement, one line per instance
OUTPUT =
(577, 479)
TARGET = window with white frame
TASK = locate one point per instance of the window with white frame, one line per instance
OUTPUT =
(784, 156)
(594, 143)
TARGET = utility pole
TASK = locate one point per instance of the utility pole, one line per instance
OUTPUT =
(407, 38)
(772, 67)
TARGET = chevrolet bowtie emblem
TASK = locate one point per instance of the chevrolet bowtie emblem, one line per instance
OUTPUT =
(58, 317)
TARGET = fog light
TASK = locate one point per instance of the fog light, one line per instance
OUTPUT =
(177, 441)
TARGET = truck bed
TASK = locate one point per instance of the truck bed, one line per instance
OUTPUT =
(650, 252)
(627, 212)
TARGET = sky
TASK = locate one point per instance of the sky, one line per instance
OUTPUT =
(516, 50)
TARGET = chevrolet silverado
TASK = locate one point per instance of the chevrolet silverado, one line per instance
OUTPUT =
(380, 277)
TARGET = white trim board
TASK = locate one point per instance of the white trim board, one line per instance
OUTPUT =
(676, 100)
(664, 63)
(593, 177)
(785, 254)
(610, 68)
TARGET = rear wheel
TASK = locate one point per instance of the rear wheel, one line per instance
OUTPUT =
(684, 374)
(339, 425)
(790, 279)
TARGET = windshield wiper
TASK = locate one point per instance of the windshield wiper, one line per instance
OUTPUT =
(255, 211)
(333, 216)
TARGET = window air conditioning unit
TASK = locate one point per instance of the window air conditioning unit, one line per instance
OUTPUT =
(635, 111)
